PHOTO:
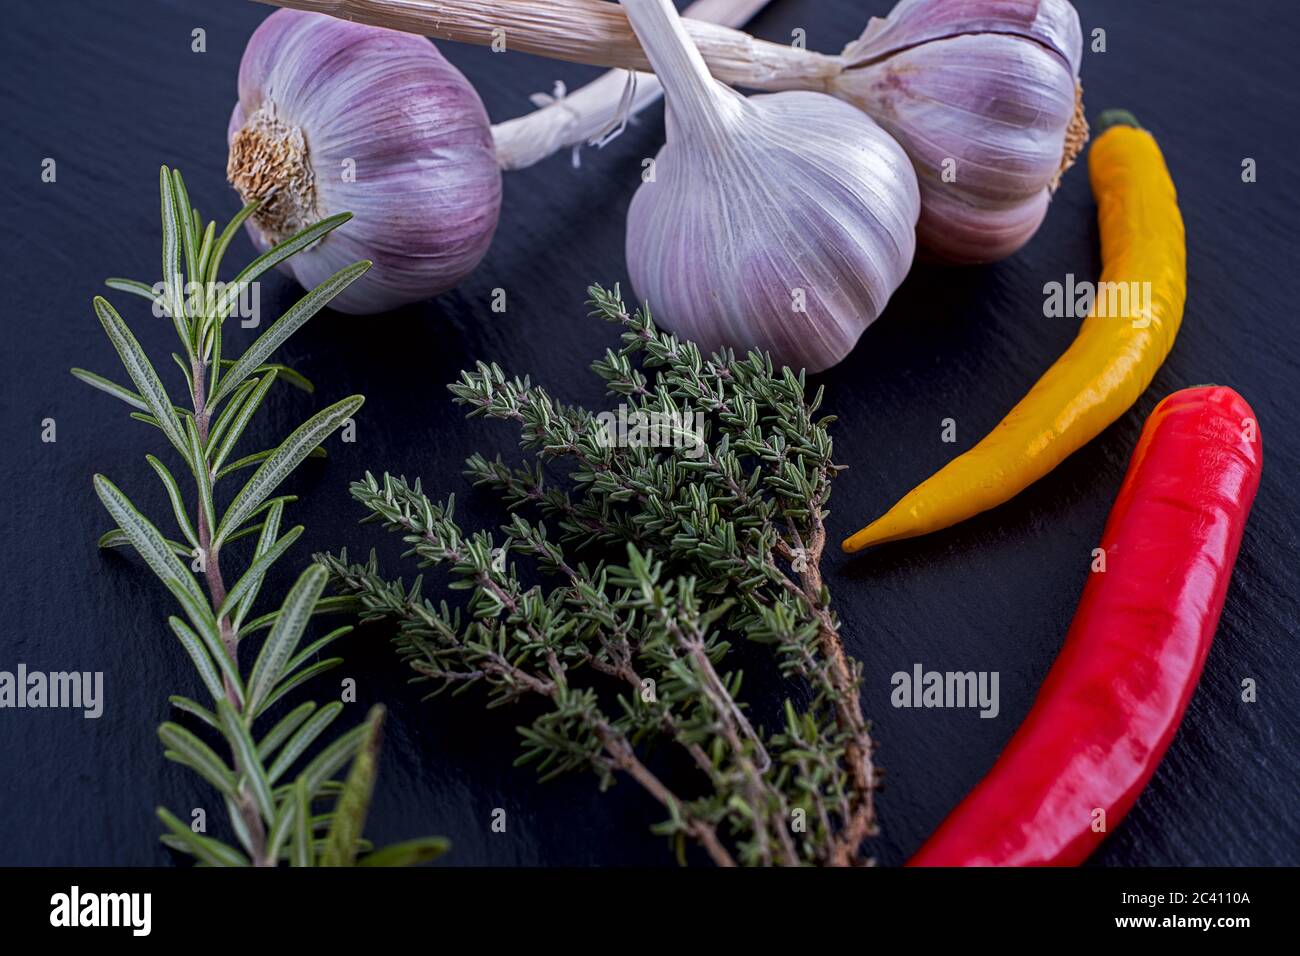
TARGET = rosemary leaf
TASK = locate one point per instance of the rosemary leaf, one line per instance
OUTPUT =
(252, 578)
(306, 735)
(247, 759)
(315, 647)
(189, 249)
(117, 539)
(257, 457)
(210, 851)
(174, 495)
(285, 634)
(223, 242)
(221, 421)
(281, 828)
(331, 760)
(299, 678)
(146, 380)
(205, 250)
(277, 254)
(296, 379)
(268, 531)
(344, 836)
(110, 388)
(133, 287)
(278, 734)
(336, 604)
(407, 853)
(171, 259)
(240, 421)
(286, 325)
(301, 854)
(194, 708)
(203, 477)
(151, 545)
(284, 460)
(203, 661)
(183, 747)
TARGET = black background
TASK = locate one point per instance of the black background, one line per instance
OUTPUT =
(111, 90)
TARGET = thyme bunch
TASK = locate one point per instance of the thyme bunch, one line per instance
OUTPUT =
(658, 559)
(273, 816)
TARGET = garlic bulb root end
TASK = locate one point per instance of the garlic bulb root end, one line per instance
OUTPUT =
(1076, 137)
(268, 163)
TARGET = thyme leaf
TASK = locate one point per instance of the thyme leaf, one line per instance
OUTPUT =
(656, 560)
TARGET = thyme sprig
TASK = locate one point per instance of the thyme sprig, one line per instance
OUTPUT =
(713, 539)
(272, 815)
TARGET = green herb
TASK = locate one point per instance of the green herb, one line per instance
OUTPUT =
(273, 817)
(664, 557)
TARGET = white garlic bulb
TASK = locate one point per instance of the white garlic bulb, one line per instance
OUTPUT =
(781, 222)
(339, 117)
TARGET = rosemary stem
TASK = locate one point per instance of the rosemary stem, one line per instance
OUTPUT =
(217, 594)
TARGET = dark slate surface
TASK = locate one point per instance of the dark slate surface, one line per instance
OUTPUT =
(112, 90)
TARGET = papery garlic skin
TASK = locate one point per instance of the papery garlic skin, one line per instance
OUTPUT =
(599, 111)
(983, 95)
(336, 116)
(788, 232)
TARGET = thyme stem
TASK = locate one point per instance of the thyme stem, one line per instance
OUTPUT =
(708, 533)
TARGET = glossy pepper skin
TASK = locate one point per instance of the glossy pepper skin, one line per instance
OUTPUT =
(1115, 695)
(1110, 363)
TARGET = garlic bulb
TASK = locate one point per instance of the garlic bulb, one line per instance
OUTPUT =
(984, 96)
(781, 222)
(335, 116)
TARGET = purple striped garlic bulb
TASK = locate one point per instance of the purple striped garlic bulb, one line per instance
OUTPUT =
(339, 117)
(984, 95)
(780, 222)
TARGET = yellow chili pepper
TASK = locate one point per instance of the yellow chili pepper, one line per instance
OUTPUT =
(1107, 367)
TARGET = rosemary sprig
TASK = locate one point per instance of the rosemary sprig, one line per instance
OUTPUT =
(711, 540)
(273, 816)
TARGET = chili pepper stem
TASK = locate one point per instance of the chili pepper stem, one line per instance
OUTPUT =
(1109, 118)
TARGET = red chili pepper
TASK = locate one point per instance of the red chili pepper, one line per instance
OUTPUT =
(1114, 697)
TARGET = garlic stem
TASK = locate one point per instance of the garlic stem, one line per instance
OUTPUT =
(597, 33)
(692, 93)
(585, 114)
(594, 32)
